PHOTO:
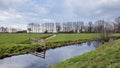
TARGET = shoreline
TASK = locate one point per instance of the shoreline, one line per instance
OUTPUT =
(50, 45)
(103, 55)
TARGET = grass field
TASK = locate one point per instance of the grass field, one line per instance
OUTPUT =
(105, 56)
(18, 38)
(11, 44)
(72, 37)
(15, 43)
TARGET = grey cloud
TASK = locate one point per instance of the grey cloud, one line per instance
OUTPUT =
(57, 10)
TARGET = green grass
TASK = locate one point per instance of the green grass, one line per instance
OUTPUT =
(16, 43)
(68, 39)
(72, 37)
(105, 56)
(18, 38)
(116, 34)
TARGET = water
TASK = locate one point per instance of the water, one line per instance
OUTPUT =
(49, 57)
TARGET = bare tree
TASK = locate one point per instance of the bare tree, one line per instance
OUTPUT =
(81, 26)
(29, 30)
(30, 27)
(104, 28)
(58, 27)
(117, 20)
(90, 27)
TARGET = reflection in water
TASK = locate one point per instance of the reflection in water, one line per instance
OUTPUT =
(22, 61)
(96, 44)
(39, 54)
(49, 57)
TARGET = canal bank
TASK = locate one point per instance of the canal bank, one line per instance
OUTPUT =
(48, 57)
(105, 56)
(32, 45)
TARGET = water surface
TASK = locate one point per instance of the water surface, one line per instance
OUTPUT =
(49, 57)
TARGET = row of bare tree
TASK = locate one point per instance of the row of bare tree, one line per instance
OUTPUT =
(105, 28)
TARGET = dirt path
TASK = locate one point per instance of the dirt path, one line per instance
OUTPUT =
(38, 41)
(50, 37)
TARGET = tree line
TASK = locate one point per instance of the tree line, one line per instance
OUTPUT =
(99, 26)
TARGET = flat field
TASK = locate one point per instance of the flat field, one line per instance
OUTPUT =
(75, 36)
(18, 38)
(72, 37)
(11, 44)
(16, 43)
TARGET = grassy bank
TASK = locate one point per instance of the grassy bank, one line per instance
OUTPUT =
(105, 56)
(69, 39)
(12, 44)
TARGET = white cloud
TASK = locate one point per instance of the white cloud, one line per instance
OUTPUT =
(12, 2)
(42, 20)
(98, 11)
(20, 12)
(47, 20)
(86, 9)
(89, 8)
(3, 18)
(8, 15)
(19, 26)
(26, 11)
(91, 4)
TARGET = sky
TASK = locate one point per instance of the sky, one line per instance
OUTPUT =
(18, 13)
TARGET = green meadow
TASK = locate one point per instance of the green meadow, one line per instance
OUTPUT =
(105, 56)
(18, 38)
(13, 44)
(72, 37)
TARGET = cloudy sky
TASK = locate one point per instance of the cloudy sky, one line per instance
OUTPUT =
(18, 13)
